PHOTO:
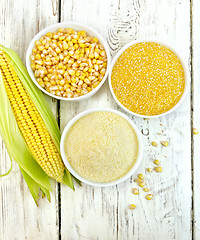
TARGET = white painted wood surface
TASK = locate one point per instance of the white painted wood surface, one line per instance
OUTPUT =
(102, 213)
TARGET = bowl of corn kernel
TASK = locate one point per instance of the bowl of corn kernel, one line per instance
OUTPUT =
(148, 78)
(68, 61)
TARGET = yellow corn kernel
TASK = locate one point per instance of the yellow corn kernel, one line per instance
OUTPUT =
(195, 131)
(49, 34)
(40, 47)
(73, 80)
(157, 162)
(61, 38)
(55, 36)
(137, 180)
(89, 89)
(158, 169)
(91, 55)
(26, 112)
(74, 40)
(37, 56)
(82, 45)
(81, 77)
(141, 184)
(33, 66)
(132, 206)
(149, 196)
(95, 39)
(70, 43)
(95, 84)
(83, 33)
(34, 50)
(145, 189)
(135, 191)
(154, 144)
(164, 143)
(76, 46)
(69, 30)
(37, 43)
(71, 72)
(141, 176)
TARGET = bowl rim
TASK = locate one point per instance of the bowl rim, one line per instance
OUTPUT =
(104, 184)
(170, 47)
(52, 28)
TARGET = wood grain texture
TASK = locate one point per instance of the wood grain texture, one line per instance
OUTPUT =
(195, 5)
(20, 218)
(92, 213)
(102, 213)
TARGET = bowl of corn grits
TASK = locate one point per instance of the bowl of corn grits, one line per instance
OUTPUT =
(101, 147)
(68, 61)
(148, 78)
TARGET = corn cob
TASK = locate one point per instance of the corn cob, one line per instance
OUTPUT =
(30, 123)
(34, 120)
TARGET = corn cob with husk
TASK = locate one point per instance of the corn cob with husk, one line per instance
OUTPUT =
(28, 127)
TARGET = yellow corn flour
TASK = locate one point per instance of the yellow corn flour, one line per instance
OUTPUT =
(148, 79)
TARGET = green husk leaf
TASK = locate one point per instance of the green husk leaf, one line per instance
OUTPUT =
(67, 179)
(15, 143)
(78, 181)
(34, 188)
(45, 192)
(11, 165)
(36, 96)
(32, 185)
(39, 100)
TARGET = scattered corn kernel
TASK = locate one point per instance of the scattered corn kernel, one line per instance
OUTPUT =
(141, 176)
(146, 189)
(135, 191)
(137, 180)
(164, 143)
(158, 169)
(157, 162)
(132, 206)
(149, 170)
(142, 184)
(195, 131)
(154, 144)
(143, 73)
(149, 196)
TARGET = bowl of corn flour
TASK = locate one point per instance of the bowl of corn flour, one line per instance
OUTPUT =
(148, 78)
(101, 147)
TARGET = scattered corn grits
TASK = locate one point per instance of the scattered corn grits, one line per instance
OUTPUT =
(68, 63)
(101, 147)
(148, 79)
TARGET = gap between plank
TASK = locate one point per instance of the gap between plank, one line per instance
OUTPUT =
(58, 111)
(191, 112)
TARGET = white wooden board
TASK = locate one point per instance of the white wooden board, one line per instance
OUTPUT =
(103, 213)
(20, 218)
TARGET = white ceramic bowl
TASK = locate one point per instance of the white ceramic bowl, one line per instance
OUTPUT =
(77, 27)
(181, 60)
(75, 174)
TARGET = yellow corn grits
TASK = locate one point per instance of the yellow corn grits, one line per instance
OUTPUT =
(101, 147)
(148, 79)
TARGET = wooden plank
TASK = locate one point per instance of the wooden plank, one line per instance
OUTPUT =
(20, 218)
(102, 213)
(195, 5)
